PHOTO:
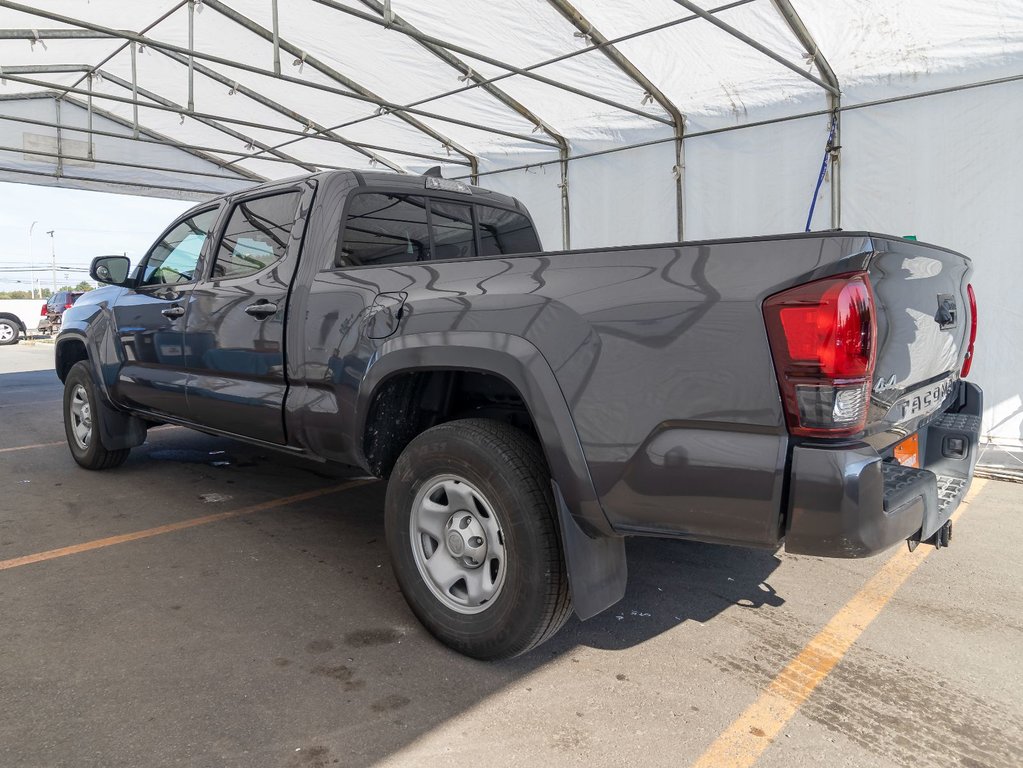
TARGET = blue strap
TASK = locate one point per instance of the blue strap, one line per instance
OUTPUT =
(824, 169)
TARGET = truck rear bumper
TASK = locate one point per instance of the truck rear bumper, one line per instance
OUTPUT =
(851, 502)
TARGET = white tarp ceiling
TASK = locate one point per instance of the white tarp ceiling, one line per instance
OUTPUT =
(615, 122)
(336, 61)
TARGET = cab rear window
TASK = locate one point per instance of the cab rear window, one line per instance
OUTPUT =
(384, 229)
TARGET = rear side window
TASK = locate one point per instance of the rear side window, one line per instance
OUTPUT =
(256, 236)
(504, 232)
(453, 236)
(385, 229)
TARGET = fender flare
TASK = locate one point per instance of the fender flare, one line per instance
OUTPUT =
(117, 429)
(594, 553)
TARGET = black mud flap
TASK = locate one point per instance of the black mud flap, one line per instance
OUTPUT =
(597, 570)
(118, 429)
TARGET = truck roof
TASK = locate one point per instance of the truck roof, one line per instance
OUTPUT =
(411, 182)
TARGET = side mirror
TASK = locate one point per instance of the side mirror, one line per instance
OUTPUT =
(112, 270)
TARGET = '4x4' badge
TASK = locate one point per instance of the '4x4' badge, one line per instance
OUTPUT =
(883, 385)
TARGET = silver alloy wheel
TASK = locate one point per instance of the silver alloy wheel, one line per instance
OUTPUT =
(457, 544)
(7, 331)
(81, 416)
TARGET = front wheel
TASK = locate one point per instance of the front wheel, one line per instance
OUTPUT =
(10, 333)
(81, 403)
(472, 533)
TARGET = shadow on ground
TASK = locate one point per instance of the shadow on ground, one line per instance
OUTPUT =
(274, 639)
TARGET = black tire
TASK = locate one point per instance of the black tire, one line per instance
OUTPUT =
(91, 452)
(10, 332)
(508, 469)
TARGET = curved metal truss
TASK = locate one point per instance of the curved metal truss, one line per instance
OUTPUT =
(240, 144)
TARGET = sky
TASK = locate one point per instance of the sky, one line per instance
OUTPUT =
(85, 224)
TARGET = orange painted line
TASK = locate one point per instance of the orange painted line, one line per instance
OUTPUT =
(88, 546)
(746, 739)
(28, 447)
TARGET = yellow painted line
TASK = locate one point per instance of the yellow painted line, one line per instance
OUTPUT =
(124, 538)
(28, 447)
(745, 740)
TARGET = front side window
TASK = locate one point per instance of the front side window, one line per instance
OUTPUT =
(174, 259)
(256, 235)
(384, 229)
(453, 236)
(504, 232)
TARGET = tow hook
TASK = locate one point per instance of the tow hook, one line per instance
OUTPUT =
(939, 539)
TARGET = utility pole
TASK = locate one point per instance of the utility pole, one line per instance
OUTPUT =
(53, 261)
(31, 260)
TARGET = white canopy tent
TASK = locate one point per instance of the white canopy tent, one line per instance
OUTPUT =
(615, 122)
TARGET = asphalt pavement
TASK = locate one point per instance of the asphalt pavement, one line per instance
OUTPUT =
(212, 604)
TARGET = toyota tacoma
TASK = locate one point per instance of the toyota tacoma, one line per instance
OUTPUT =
(530, 409)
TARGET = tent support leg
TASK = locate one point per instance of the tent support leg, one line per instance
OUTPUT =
(89, 112)
(566, 221)
(134, 90)
(680, 182)
(836, 165)
(277, 38)
(60, 140)
(191, 59)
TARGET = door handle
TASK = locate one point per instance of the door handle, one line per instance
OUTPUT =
(261, 310)
(173, 311)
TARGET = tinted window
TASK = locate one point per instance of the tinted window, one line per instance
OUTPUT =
(174, 258)
(453, 236)
(256, 236)
(503, 232)
(384, 229)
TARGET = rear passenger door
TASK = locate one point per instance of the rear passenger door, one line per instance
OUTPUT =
(234, 335)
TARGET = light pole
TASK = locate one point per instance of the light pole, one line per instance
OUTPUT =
(53, 261)
(31, 261)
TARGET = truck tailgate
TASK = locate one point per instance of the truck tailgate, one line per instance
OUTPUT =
(923, 330)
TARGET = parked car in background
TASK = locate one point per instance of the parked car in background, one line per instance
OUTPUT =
(55, 307)
(19, 316)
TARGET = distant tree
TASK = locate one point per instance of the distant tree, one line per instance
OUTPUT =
(15, 294)
(82, 287)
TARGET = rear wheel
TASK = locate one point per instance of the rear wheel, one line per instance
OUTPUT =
(10, 332)
(473, 538)
(81, 402)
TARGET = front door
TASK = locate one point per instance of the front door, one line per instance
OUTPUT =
(151, 319)
(234, 336)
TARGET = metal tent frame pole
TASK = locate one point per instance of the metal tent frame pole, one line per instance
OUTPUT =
(88, 30)
(480, 82)
(303, 120)
(91, 109)
(338, 77)
(164, 105)
(799, 29)
(216, 121)
(726, 27)
(678, 121)
(453, 61)
(154, 138)
(420, 36)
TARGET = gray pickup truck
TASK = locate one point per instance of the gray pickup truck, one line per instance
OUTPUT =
(531, 409)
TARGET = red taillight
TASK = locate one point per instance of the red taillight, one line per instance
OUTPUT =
(823, 338)
(69, 305)
(44, 311)
(968, 362)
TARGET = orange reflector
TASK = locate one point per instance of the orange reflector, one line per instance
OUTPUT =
(907, 453)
